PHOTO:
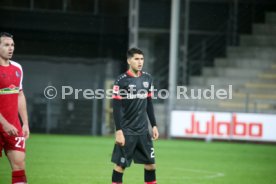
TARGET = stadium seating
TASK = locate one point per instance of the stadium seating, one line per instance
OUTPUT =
(251, 70)
(249, 67)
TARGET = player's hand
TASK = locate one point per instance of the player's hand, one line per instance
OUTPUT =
(26, 131)
(155, 133)
(10, 129)
(120, 138)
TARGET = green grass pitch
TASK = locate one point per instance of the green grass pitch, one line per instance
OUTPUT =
(60, 159)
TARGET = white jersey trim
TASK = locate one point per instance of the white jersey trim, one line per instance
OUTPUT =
(20, 68)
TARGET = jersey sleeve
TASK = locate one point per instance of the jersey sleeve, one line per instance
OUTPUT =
(151, 87)
(21, 73)
(150, 109)
(21, 81)
(117, 105)
(116, 91)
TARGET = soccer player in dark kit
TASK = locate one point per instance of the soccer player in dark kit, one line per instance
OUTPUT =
(132, 104)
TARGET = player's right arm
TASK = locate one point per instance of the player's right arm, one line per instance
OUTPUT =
(7, 127)
(117, 114)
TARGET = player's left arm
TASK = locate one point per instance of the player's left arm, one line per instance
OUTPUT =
(150, 112)
(22, 109)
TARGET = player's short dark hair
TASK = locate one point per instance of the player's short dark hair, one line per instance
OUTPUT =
(132, 51)
(5, 34)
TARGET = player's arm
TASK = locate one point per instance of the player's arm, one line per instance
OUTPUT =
(117, 114)
(8, 128)
(150, 112)
(22, 109)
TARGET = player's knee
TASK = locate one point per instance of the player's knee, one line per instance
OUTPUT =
(18, 163)
(119, 169)
(150, 166)
(17, 160)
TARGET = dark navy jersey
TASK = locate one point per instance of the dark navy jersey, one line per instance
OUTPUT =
(133, 93)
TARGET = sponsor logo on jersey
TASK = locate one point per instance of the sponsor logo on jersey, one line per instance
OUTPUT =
(132, 86)
(12, 89)
(146, 84)
(135, 96)
(116, 89)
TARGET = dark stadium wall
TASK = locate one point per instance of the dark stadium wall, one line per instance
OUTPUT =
(72, 113)
(66, 34)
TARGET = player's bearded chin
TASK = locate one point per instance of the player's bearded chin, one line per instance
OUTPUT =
(139, 68)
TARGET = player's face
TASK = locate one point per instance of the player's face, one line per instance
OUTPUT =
(6, 47)
(136, 62)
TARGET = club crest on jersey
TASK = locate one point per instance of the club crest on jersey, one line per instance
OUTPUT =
(116, 89)
(17, 74)
(146, 84)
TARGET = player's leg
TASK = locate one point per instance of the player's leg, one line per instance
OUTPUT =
(17, 162)
(122, 157)
(1, 144)
(117, 175)
(149, 174)
(15, 150)
(145, 155)
(120, 163)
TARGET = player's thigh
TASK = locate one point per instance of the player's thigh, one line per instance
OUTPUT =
(144, 153)
(128, 149)
(15, 150)
(14, 142)
(17, 159)
(130, 145)
(123, 155)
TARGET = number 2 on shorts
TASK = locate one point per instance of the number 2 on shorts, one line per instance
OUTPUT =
(152, 153)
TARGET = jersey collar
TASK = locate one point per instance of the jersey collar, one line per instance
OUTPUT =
(132, 75)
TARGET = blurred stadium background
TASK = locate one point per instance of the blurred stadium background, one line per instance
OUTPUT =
(193, 43)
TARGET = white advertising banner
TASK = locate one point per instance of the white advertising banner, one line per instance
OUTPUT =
(217, 125)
